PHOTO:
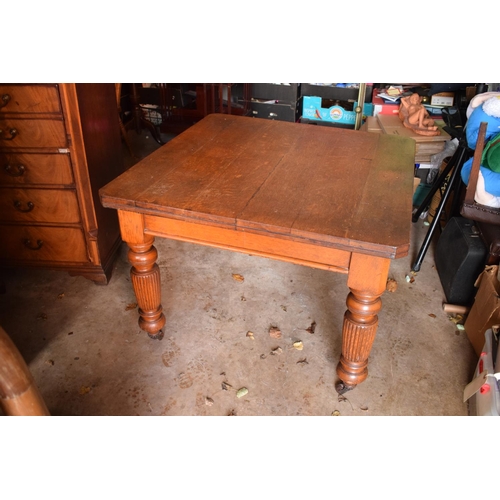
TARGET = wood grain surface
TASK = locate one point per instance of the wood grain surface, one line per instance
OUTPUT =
(341, 188)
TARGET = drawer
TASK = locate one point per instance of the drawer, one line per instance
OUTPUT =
(21, 169)
(29, 99)
(39, 205)
(276, 111)
(29, 133)
(52, 244)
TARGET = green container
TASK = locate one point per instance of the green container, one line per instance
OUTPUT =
(420, 194)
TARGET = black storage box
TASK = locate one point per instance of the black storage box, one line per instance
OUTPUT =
(275, 101)
(274, 110)
(460, 258)
(275, 91)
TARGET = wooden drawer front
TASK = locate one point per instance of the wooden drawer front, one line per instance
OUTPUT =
(29, 99)
(19, 133)
(39, 205)
(25, 243)
(28, 168)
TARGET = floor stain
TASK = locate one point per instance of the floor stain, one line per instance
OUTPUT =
(171, 403)
(185, 380)
(172, 351)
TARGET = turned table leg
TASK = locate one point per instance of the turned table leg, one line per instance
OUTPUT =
(145, 276)
(367, 281)
(145, 273)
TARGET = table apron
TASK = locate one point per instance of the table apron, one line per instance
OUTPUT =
(274, 247)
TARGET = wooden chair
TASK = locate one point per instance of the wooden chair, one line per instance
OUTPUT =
(487, 219)
(19, 395)
(118, 89)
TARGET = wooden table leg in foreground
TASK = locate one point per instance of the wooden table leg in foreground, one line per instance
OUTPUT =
(367, 280)
(19, 395)
(145, 273)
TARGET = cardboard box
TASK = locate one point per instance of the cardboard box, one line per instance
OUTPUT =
(416, 183)
(394, 126)
(324, 123)
(312, 110)
(442, 99)
(425, 145)
(334, 92)
(485, 311)
(372, 125)
(385, 109)
(380, 107)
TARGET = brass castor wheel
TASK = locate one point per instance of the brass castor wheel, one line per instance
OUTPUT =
(342, 388)
(157, 336)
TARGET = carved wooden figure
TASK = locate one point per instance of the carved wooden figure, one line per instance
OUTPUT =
(415, 117)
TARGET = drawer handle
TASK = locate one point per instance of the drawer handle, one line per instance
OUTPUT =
(5, 100)
(12, 132)
(18, 205)
(28, 244)
(19, 170)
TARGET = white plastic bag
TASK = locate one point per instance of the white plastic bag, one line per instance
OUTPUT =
(436, 160)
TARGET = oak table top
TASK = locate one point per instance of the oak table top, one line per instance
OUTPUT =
(326, 197)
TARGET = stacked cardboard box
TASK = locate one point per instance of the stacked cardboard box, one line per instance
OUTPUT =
(313, 110)
(332, 104)
(335, 92)
(425, 146)
(485, 311)
(381, 107)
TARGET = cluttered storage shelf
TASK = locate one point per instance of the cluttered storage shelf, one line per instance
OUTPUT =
(174, 107)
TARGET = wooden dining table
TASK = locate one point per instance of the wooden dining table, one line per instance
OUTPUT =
(324, 197)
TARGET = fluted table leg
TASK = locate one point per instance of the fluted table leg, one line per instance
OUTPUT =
(145, 276)
(367, 281)
(145, 273)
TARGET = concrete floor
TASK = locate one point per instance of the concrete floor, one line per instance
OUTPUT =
(88, 356)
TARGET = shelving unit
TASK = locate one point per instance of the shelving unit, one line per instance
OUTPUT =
(275, 101)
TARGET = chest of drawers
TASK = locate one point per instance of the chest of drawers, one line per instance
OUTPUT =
(59, 143)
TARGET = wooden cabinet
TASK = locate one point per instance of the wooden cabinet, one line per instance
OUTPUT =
(59, 143)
